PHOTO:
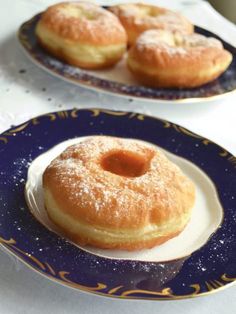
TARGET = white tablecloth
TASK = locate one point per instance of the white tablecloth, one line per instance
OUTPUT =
(22, 96)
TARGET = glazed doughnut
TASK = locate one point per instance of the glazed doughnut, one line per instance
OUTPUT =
(82, 34)
(164, 59)
(117, 193)
(138, 17)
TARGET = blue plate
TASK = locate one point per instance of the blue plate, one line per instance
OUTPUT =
(208, 269)
(225, 84)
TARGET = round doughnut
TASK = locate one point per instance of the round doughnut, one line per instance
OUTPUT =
(117, 193)
(139, 17)
(82, 34)
(164, 59)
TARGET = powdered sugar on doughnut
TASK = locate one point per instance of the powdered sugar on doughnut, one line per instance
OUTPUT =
(175, 43)
(159, 39)
(78, 170)
(139, 17)
(197, 40)
(74, 20)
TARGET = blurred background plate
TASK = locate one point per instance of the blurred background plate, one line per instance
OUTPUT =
(104, 80)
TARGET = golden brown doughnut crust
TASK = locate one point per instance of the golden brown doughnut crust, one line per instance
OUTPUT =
(94, 25)
(139, 17)
(164, 59)
(82, 34)
(147, 206)
(89, 65)
(124, 245)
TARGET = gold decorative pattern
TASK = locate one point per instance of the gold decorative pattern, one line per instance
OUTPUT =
(74, 113)
(52, 271)
(225, 278)
(35, 121)
(30, 256)
(138, 116)
(13, 132)
(206, 142)
(4, 139)
(232, 159)
(133, 114)
(181, 129)
(166, 124)
(114, 290)
(62, 275)
(63, 114)
(167, 293)
(52, 116)
(16, 130)
(224, 153)
(196, 288)
(96, 112)
(44, 266)
(19, 129)
(216, 284)
(220, 284)
(209, 286)
(10, 241)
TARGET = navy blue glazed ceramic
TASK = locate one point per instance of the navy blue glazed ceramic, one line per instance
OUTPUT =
(224, 84)
(208, 269)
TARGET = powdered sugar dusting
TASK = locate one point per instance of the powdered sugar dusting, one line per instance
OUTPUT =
(206, 215)
(79, 171)
(197, 40)
(82, 19)
(150, 16)
(175, 43)
(161, 40)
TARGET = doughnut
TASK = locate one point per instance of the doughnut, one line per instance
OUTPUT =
(117, 193)
(138, 17)
(82, 34)
(164, 59)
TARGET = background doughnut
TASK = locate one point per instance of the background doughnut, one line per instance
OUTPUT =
(82, 34)
(139, 17)
(164, 59)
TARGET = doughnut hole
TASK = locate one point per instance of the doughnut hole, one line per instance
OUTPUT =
(126, 163)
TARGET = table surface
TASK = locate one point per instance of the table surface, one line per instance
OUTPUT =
(23, 95)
